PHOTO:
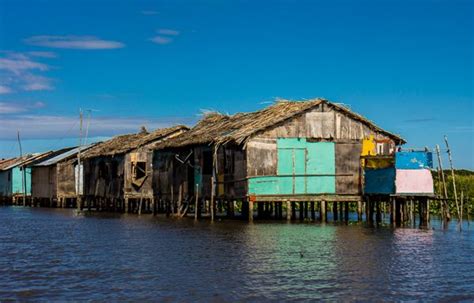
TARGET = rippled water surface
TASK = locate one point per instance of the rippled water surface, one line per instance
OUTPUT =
(57, 255)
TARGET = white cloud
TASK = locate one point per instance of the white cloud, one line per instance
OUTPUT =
(5, 90)
(168, 32)
(73, 42)
(18, 65)
(18, 107)
(19, 72)
(50, 127)
(161, 40)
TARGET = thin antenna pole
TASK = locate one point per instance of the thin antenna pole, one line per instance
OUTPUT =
(23, 175)
(87, 126)
(79, 173)
(452, 174)
(440, 166)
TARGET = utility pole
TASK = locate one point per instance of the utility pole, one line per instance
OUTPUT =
(452, 174)
(79, 165)
(443, 180)
(23, 175)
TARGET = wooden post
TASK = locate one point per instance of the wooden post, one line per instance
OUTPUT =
(378, 214)
(212, 199)
(453, 177)
(293, 210)
(196, 202)
(301, 208)
(346, 212)
(334, 211)
(313, 213)
(180, 198)
(370, 206)
(153, 206)
(250, 214)
(324, 216)
(288, 210)
(444, 202)
(127, 205)
(359, 211)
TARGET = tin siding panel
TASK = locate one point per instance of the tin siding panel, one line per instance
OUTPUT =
(379, 181)
(321, 160)
(414, 181)
(413, 160)
(17, 180)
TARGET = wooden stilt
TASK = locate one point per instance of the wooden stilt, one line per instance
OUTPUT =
(250, 214)
(378, 215)
(293, 210)
(359, 211)
(324, 215)
(313, 213)
(212, 206)
(301, 209)
(346, 212)
(288, 211)
(334, 211)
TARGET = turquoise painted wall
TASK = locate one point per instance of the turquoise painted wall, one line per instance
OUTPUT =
(298, 158)
(17, 179)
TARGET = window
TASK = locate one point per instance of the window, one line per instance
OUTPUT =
(138, 170)
(207, 162)
(380, 149)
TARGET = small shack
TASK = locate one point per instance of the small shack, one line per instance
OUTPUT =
(54, 181)
(15, 177)
(291, 152)
(118, 172)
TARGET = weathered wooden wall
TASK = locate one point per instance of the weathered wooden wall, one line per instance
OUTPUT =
(104, 177)
(169, 173)
(142, 187)
(44, 182)
(5, 183)
(66, 179)
(348, 163)
(231, 172)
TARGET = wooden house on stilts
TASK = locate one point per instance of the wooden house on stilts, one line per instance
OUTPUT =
(291, 155)
(16, 176)
(56, 181)
(118, 172)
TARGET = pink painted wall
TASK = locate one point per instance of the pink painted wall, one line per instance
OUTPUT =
(413, 181)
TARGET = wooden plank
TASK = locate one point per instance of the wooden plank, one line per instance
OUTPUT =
(348, 162)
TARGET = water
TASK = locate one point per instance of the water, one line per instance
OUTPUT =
(56, 255)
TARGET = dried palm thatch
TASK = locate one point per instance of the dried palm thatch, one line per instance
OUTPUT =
(125, 143)
(218, 129)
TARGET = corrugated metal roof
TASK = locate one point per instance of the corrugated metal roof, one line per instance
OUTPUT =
(64, 155)
(27, 159)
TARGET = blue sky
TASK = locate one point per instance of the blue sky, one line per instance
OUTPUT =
(407, 65)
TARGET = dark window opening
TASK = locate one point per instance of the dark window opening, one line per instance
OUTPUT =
(207, 162)
(138, 169)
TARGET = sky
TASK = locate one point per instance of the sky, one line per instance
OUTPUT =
(406, 65)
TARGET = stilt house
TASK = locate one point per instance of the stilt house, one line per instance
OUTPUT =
(121, 168)
(289, 151)
(55, 181)
(15, 175)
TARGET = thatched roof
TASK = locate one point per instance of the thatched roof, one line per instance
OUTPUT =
(219, 129)
(125, 143)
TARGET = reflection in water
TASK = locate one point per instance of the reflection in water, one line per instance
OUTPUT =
(58, 255)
